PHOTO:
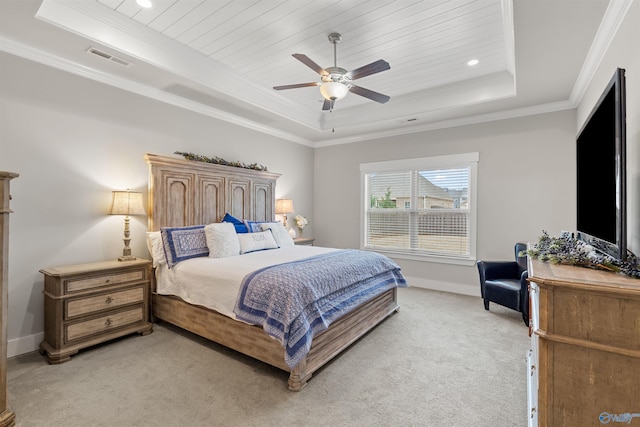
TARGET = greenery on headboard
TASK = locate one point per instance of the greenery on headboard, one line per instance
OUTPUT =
(219, 161)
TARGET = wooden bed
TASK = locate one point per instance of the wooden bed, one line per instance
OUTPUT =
(183, 193)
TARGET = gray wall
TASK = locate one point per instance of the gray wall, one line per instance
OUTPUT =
(73, 141)
(526, 173)
(526, 183)
(624, 52)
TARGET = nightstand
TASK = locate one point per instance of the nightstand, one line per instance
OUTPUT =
(304, 241)
(88, 304)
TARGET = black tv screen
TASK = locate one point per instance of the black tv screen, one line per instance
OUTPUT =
(601, 172)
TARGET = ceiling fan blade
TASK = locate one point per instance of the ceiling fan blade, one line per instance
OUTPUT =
(375, 96)
(367, 70)
(309, 63)
(327, 105)
(295, 86)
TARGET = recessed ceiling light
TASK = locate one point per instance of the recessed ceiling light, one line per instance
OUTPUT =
(473, 62)
(144, 3)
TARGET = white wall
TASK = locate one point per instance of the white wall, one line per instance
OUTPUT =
(624, 52)
(73, 141)
(526, 182)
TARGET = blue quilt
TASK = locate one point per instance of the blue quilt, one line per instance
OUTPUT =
(296, 300)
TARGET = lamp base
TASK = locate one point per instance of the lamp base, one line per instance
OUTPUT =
(127, 258)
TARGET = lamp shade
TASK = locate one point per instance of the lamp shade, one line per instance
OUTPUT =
(284, 206)
(127, 203)
(333, 90)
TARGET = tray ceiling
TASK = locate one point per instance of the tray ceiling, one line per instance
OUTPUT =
(222, 58)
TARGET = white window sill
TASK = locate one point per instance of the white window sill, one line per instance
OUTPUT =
(442, 259)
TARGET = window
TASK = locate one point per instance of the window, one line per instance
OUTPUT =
(421, 208)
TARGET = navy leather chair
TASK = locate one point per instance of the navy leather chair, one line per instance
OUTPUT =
(505, 282)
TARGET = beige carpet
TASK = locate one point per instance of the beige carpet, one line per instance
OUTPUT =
(441, 361)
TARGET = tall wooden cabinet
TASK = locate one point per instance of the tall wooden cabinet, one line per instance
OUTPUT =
(584, 362)
(7, 418)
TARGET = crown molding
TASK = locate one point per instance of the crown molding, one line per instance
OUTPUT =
(36, 55)
(611, 21)
(444, 124)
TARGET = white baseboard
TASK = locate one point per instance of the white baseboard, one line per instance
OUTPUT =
(436, 285)
(23, 345)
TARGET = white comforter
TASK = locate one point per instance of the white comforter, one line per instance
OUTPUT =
(214, 282)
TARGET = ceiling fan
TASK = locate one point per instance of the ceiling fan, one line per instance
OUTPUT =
(337, 82)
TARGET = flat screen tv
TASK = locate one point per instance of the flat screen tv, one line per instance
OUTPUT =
(601, 172)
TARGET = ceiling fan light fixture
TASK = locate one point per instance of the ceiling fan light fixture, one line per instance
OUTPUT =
(334, 91)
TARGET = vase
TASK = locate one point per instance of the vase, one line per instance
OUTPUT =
(299, 232)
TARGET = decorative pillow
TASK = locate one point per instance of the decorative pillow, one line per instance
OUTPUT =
(222, 240)
(154, 244)
(255, 226)
(250, 242)
(280, 234)
(238, 224)
(182, 243)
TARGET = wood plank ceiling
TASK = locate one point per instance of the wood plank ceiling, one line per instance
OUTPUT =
(427, 43)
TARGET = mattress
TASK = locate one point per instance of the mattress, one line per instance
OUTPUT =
(214, 283)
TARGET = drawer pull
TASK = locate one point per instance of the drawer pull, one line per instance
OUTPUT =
(108, 322)
(108, 281)
(108, 300)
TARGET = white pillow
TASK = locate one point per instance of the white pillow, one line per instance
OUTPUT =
(280, 234)
(155, 247)
(222, 240)
(250, 242)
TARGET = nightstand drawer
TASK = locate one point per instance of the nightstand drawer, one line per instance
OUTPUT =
(103, 324)
(82, 306)
(85, 283)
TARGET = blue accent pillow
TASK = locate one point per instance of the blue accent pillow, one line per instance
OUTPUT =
(256, 226)
(239, 225)
(182, 243)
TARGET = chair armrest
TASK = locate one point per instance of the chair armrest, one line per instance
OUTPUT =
(524, 293)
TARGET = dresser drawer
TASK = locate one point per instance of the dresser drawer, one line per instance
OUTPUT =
(82, 306)
(85, 283)
(104, 323)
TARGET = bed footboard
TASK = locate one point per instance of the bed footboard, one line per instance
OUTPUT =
(254, 342)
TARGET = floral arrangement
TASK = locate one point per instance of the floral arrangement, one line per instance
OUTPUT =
(568, 250)
(219, 161)
(301, 222)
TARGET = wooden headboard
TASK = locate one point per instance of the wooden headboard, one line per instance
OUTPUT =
(186, 192)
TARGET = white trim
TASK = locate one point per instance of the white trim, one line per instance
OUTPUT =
(451, 123)
(450, 161)
(45, 58)
(23, 345)
(440, 259)
(95, 22)
(437, 285)
(611, 21)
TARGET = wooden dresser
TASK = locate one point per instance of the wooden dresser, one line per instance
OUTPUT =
(7, 417)
(88, 304)
(584, 362)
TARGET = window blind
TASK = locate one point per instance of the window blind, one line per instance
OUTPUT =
(421, 210)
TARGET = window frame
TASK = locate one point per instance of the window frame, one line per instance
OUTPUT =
(464, 160)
